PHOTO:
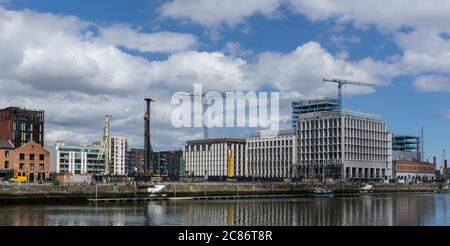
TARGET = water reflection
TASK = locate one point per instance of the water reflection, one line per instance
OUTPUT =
(394, 210)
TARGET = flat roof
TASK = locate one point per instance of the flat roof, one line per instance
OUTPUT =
(216, 140)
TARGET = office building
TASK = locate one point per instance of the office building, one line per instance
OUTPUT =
(343, 144)
(271, 155)
(209, 157)
(170, 162)
(75, 159)
(312, 105)
(117, 154)
(21, 126)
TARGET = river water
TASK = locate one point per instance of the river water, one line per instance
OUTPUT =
(410, 210)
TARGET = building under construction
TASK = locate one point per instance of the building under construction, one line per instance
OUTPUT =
(406, 147)
(312, 105)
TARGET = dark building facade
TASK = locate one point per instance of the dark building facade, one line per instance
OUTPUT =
(170, 163)
(21, 126)
(134, 161)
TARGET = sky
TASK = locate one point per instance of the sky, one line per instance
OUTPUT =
(79, 60)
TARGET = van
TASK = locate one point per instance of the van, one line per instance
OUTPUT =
(19, 179)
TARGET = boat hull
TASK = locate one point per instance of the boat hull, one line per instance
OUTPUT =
(321, 194)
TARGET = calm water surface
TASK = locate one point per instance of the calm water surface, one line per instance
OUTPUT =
(428, 210)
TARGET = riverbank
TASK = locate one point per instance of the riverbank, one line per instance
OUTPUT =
(80, 193)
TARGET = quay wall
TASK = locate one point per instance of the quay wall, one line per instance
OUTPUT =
(81, 192)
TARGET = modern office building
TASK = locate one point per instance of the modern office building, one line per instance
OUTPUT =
(343, 144)
(221, 157)
(117, 154)
(406, 148)
(33, 161)
(312, 105)
(170, 162)
(135, 161)
(21, 126)
(75, 159)
(271, 155)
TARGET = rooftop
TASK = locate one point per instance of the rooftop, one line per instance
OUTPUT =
(216, 140)
(289, 132)
(6, 144)
(336, 113)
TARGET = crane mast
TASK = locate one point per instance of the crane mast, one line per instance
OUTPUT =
(342, 82)
(104, 151)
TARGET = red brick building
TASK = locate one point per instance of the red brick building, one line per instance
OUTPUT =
(31, 160)
(6, 158)
(414, 171)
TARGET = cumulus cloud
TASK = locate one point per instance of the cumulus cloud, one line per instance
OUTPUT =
(386, 15)
(430, 83)
(57, 63)
(125, 36)
(216, 13)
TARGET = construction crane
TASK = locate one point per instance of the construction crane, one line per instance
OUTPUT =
(104, 151)
(342, 82)
(149, 158)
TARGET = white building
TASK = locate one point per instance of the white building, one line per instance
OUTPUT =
(209, 157)
(75, 159)
(271, 155)
(117, 154)
(343, 144)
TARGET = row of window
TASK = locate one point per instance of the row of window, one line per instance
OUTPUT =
(413, 168)
(274, 143)
(31, 166)
(31, 157)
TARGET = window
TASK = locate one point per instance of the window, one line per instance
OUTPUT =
(21, 166)
(6, 153)
(31, 157)
(22, 156)
(41, 167)
(41, 157)
(32, 166)
(6, 164)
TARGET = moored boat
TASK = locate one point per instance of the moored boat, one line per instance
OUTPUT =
(320, 191)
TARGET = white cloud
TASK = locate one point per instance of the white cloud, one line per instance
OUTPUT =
(424, 51)
(123, 35)
(215, 13)
(235, 49)
(430, 83)
(341, 41)
(300, 72)
(385, 14)
(57, 64)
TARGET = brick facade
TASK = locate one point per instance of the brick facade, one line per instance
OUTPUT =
(33, 161)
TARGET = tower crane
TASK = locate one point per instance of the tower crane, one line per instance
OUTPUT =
(105, 146)
(342, 82)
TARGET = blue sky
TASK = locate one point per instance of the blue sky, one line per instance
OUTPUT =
(404, 52)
